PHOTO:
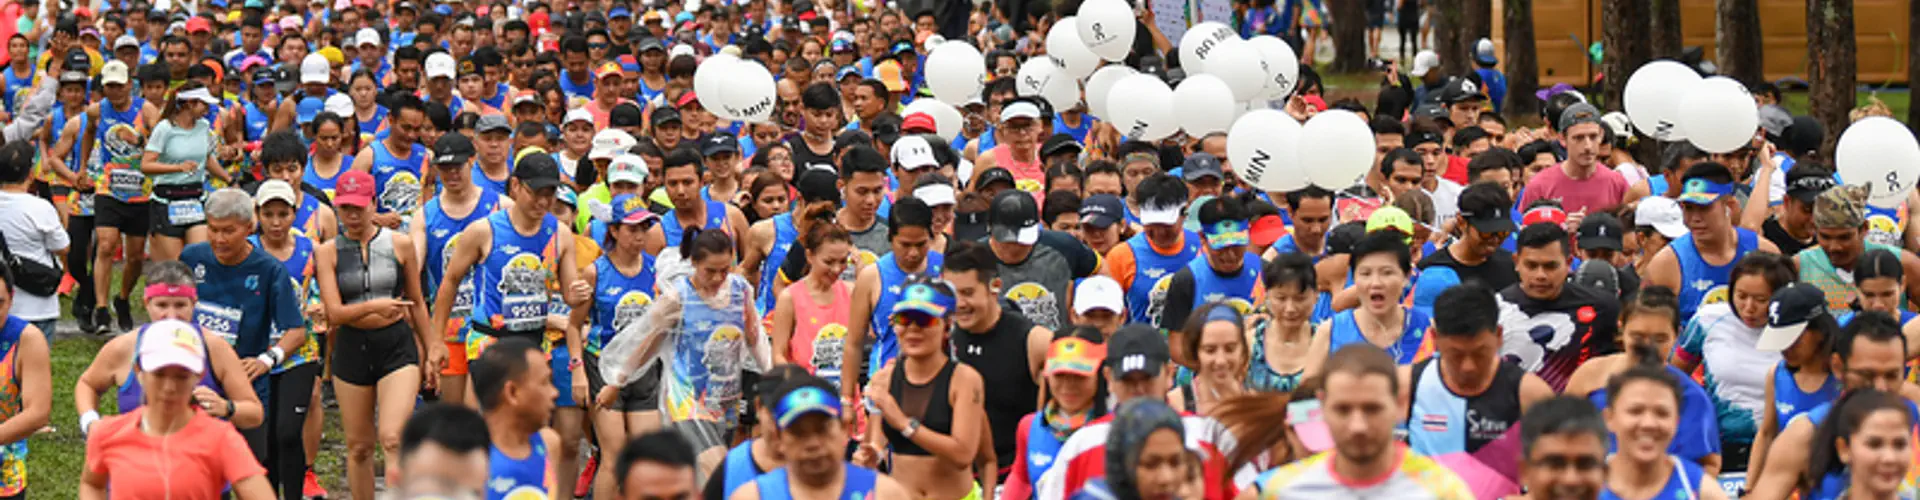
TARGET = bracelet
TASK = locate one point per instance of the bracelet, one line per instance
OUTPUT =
(278, 354)
(265, 359)
(229, 409)
(574, 364)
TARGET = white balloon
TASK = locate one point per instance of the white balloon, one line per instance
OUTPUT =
(746, 95)
(1062, 92)
(1196, 47)
(1339, 148)
(709, 75)
(1063, 43)
(1100, 83)
(1142, 108)
(1238, 64)
(1107, 28)
(1203, 103)
(946, 118)
(1653, 96)
(1880, 153)
(1044, 77)
(1263, 147)
(1282, 65)
(1718, 117)
(955, 72)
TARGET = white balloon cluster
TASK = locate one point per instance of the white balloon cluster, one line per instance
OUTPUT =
(735, 89)
(1671, 102)
(1265, 148)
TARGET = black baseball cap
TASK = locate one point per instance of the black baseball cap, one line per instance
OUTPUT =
(537, 171)
(1600, 230)
(1433, 111)
(625, 114)
(1059, 143)
(665, 115)
(1101, 210)
(1494, 219)
(1016, 218)
(1199, 166)
(454, 148)
(1806, 183)
(1801, 137)
(1459, 90)
(1793, 308)
(992, 175)
(651, 43)
(720, 143)
(1137, 348)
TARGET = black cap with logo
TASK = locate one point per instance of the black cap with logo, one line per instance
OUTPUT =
(1137, 348)
(1599, 231)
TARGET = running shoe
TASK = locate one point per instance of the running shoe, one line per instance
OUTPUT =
(84, 316)
(312, 488)
(124, 310)
(585, 484)
(102, 321)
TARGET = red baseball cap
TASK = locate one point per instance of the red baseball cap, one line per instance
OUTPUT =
(355, 188)
(198, 24)
(919, 122)
(1267, 229)
(685, 99)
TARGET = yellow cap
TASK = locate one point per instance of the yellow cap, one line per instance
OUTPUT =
(333, 55)
(889, 73)
(1391, 218)
(524, 152)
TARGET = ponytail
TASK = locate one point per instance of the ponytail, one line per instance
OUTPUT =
(696, 243)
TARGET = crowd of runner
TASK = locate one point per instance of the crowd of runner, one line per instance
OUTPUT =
(509, 248)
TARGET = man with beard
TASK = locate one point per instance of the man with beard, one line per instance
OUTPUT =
(1360, 406)
(992, 335)
(1036, 266)
(1563, 450)
(813, 441)
(1840, 225)
(1869, 353)
(878, 287)
(1474, 256)
(1700, 264)
(1581, 183)
(1552, 325)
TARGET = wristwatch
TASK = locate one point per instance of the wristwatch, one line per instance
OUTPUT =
(913, 427)
(574, 364)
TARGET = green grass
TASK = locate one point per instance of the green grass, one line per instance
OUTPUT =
(1896, 100)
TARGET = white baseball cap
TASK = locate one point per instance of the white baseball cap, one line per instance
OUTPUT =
(935, 194)
(627, 167)
(1099, 292)
(172, 342)
(366, 36)
(315, 69)
(1662, 214)
(114, 72)
(913, 153)
(576, 115)
(339, 104)
(1160, 215)
(274, 190)
(1425, 61)
(610, 143)
(440, 65)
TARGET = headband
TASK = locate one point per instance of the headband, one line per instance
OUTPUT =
(155, 290)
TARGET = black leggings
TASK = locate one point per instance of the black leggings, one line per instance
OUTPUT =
(1409, 28)
(277, 443)
(80, 260)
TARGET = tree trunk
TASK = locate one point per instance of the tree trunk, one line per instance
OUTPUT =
(1913, 63)
(1450, 36)
(1479, 22)
(1349, 36)
(1831, 60)
(1736, 36)
(1666, 29)
(1522, 60)
(1627, 45)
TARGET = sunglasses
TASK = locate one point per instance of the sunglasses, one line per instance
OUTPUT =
(914, 320)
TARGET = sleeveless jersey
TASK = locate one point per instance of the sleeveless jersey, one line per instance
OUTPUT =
(1027, 176)
(858, 485)
(820, 330)
(709, 352)
(1837, 284)
(1041, 446)
(1833, 484)
(303, 218)
(739, 467)
(1405, 351)
(498, 188)
(326, 184)
(442, 232)
(1682, 483)
(297, 266)
(671, 229)
(618, 300)
(886, 346)
(510, 294)
(397, 180)
(131, 396)
(119, 158)
(1443, 422)
(13, 456)
(514, 479)
(1702, 283)
(371, 126)
(1151, 271)
(257, 121)
(1790, 401)
(784, 234)
(1242, 290)
(16, 85)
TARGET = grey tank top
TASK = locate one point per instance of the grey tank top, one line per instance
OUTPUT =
(373, 274)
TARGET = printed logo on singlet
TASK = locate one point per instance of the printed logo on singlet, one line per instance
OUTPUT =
(400, 193)
(1484, 429)
(1036, 303)
(523, 293)
(631, 307)
(1239, 304)
(1883, 229)
(1533, 336)
(1434, 422)
(855, 260)
(724, 363)
(1157, 297)
(828, 346)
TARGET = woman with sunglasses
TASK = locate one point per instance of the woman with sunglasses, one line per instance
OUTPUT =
(925, 407)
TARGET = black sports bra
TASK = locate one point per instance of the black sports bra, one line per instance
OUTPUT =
(925, 402)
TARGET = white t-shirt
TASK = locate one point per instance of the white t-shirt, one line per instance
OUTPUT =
(1446, 202)
(33, 230)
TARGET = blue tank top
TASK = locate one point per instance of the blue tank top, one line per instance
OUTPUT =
(1702, 283)
(499, 99)
(739, 468)
(510, 295)
(257, 122)
(1657, 185)
(1684, 482)
(371, 125)
(326, 184)
(619, 300)
(1834, 483)
(1442, 422)
(709, 352)
(297, 263)
(1079, 133)
(54, 133)
(1790, 401)
(1209, 286)
(441, 230)
(487, 184)
(1347, 331)
(575, 90)
(511, 478)
(110, 117)
(648, 93)
(302, 215)
(885, 345)
(1150, 269)
(671, 229)
(131, 396)
(397, 181)
(858, 486)
(1042, 447)
(15, 84)
(784, 234)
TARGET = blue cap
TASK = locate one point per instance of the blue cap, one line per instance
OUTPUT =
(802, 401)
(631, 209)
(443, 9)
(256, 4)
(682, 17)
(925, 299)
(901, 46)
(565, 194)
(310, 107)
(619, 12)
(845, 72)
(1700, 191)
(1226, 233)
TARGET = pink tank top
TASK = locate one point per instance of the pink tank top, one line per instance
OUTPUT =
(1027, 176)
(819, 330)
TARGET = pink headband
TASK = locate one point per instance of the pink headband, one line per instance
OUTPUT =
(166, 290)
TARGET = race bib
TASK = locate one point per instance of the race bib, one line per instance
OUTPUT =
(186, 212)
(523, 294)
(126, 183)
(218, 320)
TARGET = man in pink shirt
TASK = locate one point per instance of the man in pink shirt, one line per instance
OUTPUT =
(1581, 183)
